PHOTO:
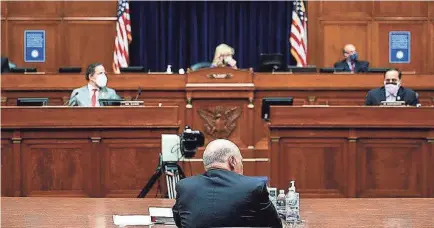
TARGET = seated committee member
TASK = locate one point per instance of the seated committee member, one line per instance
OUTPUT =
(351, 62)
(95, 89)
(222, 196)
(223, 57)
(392, 91)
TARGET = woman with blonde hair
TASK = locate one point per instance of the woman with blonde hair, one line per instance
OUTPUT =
(223, 57)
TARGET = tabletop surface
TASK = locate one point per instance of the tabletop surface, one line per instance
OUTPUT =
(38, 212)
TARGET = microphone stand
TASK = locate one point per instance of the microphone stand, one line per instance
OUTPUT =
(139, 91)
(73, 97)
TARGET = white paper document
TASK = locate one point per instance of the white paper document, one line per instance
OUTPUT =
(131, 220)
(161, 212)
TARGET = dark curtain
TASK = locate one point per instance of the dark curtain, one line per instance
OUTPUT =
(184, 33)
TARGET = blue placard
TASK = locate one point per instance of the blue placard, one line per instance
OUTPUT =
(399, 47)
(34, 46)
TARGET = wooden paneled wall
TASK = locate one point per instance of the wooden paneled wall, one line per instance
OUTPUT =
(77, 32)
(367, 24)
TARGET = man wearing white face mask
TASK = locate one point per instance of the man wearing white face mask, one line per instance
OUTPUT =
(392, 91)
(96, 88)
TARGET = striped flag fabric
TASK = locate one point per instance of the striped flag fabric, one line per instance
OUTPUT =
(123, 36)
(298, 37)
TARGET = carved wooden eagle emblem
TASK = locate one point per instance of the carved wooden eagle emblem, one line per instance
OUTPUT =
(220, 121)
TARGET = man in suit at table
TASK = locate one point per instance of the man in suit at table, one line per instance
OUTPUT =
(95, 89)
(222, 196)
(351, 62)
(392, 91)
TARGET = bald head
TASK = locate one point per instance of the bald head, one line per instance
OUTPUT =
(349, 48)
(222, 153)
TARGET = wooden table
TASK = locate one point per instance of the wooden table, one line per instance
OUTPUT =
(72, 212)
(306, 88)
(36, 212)
(353, 151)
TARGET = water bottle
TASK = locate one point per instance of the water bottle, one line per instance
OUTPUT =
(292, 205)
(272, 194)
(169, 69)
(281, 204)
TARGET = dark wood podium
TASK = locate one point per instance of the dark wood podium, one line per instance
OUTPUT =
(80, 151)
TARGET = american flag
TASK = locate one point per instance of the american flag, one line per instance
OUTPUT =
(298, 37)
(123, 36)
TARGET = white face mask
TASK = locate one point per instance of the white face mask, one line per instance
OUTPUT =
(101, 80)
(392, 88)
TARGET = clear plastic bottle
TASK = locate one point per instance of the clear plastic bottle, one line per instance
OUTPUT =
(281, 204)
(169, 69)
(292, 205)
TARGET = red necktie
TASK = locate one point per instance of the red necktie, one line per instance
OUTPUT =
(352, 67)
(94, 98)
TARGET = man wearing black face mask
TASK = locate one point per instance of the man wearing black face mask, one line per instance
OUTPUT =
(351, 62)
(392, 91)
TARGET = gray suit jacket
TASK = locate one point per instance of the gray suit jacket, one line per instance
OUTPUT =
(83, 96)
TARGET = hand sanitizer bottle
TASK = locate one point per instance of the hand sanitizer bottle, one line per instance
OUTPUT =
(169, 69)
(292, 205)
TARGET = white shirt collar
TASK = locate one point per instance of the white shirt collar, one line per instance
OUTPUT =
(91, 87)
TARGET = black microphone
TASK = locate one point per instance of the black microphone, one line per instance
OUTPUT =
(76, 93)
(139, 91)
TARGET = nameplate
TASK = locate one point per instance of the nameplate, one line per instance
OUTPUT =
(132, 103)
(220, 76)
(343, 72)
(393, 103)
(316, 106)
(213, 85)
(34, 72)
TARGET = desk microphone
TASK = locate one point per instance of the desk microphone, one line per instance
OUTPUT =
(76, 93)
(139, 91)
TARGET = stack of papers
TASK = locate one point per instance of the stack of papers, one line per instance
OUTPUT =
(131, 220)
(161, 215)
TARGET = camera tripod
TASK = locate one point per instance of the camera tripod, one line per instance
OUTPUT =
(173, 173)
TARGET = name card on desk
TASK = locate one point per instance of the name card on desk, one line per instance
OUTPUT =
(316, 105)
(34, 72)
(132, 103)
(393, 103)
